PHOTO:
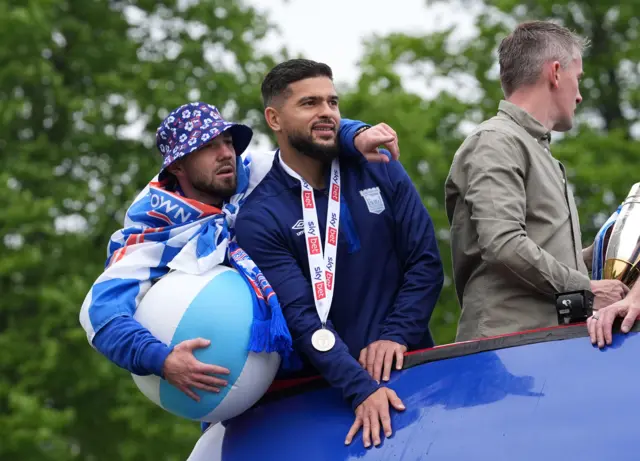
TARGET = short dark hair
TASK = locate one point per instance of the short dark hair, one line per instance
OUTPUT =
(277, 81)
(525, 50)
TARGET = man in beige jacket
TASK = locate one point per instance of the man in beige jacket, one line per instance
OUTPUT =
(515, 232)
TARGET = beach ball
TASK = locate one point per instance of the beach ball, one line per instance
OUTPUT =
(218, 306)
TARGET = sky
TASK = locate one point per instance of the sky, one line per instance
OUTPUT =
(332, 31)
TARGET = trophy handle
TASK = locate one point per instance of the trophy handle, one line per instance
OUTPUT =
(622, 260)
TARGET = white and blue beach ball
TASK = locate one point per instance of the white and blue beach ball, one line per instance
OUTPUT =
(217, 306)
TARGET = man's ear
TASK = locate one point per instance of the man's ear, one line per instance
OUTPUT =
(176, 168)
(554, 74)
(272, 117)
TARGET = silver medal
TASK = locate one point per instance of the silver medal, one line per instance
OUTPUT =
(323, 340)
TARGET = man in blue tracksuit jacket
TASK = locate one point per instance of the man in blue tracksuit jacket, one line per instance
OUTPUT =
(388, 273)
(122, 339)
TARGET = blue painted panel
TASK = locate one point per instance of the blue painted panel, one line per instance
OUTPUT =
(560, 400)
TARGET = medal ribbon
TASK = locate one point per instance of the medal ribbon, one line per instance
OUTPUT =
(322, 264)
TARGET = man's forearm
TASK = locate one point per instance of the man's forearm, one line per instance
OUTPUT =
(587, 256)
(533, 266)
(347, 133)
(336, 366)
(131, 346)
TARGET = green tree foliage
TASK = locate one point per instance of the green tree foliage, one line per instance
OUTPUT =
(77, 74)
(432, 88)
(74, 75)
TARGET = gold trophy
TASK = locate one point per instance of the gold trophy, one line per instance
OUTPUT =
(623, 243)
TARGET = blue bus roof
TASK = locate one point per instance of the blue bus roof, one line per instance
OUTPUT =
(510, 399)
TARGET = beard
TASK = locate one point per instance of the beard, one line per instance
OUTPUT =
(223, 188)
(307, 146)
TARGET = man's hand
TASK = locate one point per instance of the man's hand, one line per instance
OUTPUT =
(600, 325)
(185, 372)
(377, 358)
(607, 292)
(373, 411)
(368, 142)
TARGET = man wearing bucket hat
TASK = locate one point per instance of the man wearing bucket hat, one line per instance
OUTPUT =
(203, 180)
(199, 150)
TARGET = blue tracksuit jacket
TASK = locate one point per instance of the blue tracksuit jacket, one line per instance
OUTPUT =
(388, 276)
